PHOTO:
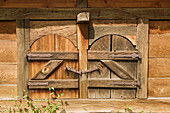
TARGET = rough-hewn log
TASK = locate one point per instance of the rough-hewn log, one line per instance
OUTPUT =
(96, 13)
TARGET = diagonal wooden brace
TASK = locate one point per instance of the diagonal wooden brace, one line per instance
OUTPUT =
(47, 69)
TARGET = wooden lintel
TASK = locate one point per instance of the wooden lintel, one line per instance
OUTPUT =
(57, 84)
(94, 55)
(52, 55)
(96, 13)
(83, 17)
(102, 83)
(47, 69)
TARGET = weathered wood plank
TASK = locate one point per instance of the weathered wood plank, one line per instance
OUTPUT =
(81, 3)
(124, 44)
(82, 31)
(8, 54)
(159, 46)
(8, 90)
(96, 13)
(142, 44)
(101, 45)
(66, 29)
(100, 28)
(111, 83)
(102, 55)
(159, 67)
(8, 74)
(37, 3)
(118, 69)
(47, 69)
(159, 87)
(52, 55)
(62, 44)
(8, 30)
(159, 27)
(57, 84)
(20, 30)
(129, 3)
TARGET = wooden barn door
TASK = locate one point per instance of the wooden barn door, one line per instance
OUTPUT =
(116, 58)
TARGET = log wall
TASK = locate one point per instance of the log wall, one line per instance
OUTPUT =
(8, 59)
(79, 3)
(159, 59)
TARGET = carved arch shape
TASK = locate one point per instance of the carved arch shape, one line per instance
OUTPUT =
(54, 35)
(111, 36)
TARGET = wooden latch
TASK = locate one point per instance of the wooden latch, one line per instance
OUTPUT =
(133, 56)
(81, 72)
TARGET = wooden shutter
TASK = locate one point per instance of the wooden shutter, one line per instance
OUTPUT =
(48, 57)
(112, 48)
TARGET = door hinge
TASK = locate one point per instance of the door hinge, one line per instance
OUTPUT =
(133, 56)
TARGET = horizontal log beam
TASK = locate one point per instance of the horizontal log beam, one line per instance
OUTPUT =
(103, 83)
(52, 55)
(45, 84)
(110, 55)
(96, 13)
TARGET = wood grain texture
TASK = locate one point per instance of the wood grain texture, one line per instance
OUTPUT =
(21, 59)
(8, 30)
(52, 55)
(99, 28)
(102, 45)
(129, 67)
(52, 43)
(117, 69)
(96, 13)
(159, 38)
(8, 74)
(142, 45)
(37, 3)
(110, 83)
(8, 90)
(46, 43)
(129, 3)
(8, 54)
(102, 55)
(159, 67)
(159, 27)
(82, 31)
(47, 69)
(159, 46)
(107, 105)
(57, 84)
(82, 3)
(62, 28)
(159, 87)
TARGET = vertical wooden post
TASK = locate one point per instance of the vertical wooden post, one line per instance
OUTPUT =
(82, 30)
(22, 47)
(142, 45)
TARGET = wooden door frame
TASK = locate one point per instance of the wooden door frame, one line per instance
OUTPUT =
(22, 17)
